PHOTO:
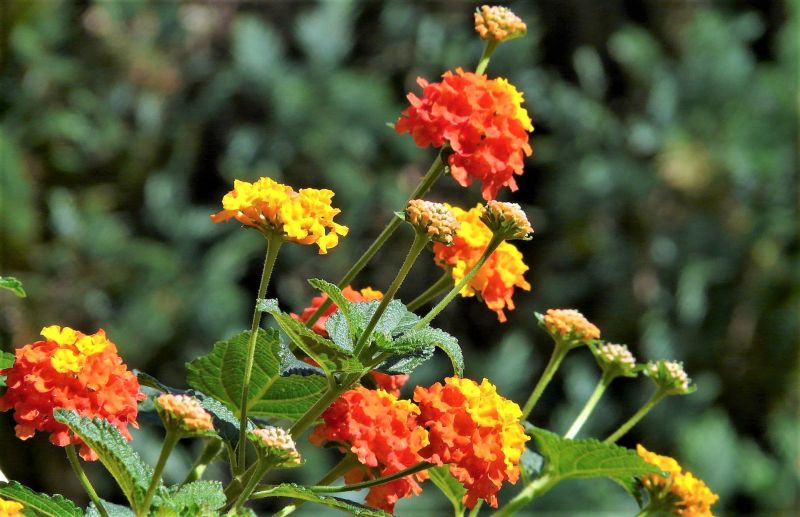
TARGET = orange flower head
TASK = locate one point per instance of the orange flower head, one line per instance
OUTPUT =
(498, 23)
(390, 383)
(434, 219)
(383, 433)
(481, 120)
(476, 431)
(277, 445)
(570, 325)
(506, 220)
(10, 509)
(304, 217)
(502, 272)
(185, 413)
(690, 495)
(71, 370)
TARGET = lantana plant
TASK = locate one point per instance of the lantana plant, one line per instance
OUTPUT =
(331, 375)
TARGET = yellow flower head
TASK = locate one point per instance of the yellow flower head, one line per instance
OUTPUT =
(498, 23)
(304, 217)
(517, 98)
(692, 498)
(73, 347)
(10, 508)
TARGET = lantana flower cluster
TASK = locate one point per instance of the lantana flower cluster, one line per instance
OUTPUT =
(71, 370)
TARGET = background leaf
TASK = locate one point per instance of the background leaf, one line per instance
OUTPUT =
(13, 285)
(305, 494)
(49, 505)
(449, 486)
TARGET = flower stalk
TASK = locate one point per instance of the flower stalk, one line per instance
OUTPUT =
(170, 440)
(439, 287)
(597, 394)
(559, 352)
(531, 491)
(210, 451)
(634, 419)
(72, 456)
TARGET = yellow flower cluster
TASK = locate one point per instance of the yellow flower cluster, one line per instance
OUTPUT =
(10, 508)
(73, 347)
(304, 217)
(694, 497)
(517, 98)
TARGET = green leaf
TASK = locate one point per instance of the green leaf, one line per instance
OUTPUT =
(406, 363)
(450, 487)
(450, 346)
(196, 498)
(6, 361)
(114, 510)
(13, 285)
(305, 494)
(334, 293)
(530, 465)
(584, 458)
(122, 462)
(220, 374)
(49, 505)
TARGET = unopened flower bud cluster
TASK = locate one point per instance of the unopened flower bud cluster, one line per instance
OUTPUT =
(185, 411)
(498, 23)
(669, 376)
(434, 219)
(276, 442)
(570, 324)
(507, 219)
(617, 357)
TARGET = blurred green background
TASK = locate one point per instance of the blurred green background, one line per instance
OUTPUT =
(663, 191)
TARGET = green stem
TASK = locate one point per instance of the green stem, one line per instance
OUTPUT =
(84, 479)
(491, 44)
(644, 512)
(210, 451)
(237, 484)
(310, 416)
(597, 394)
(632, 421)
(250, 485)
(476, 509)
(170, 440)
(434, 172)
(557, 356)
(534, 489)
(423, 465)
(347, 463)
(274, 241)
(432, 292)
(493, 244)
(420, 241)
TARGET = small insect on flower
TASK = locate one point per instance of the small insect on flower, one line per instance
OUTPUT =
(185, 414)
(475, 431)
(10, 509)
(71, 370)
(498, 23)
(680, 492)
(276, 446)
(435, 220)
(304, 217)
(569, 326)
(480, 119)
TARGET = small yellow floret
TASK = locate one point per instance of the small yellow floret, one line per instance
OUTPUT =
(10, 508)
(517, 98)
(63, 336)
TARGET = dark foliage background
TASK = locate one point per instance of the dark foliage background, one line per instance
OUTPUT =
(663, 190)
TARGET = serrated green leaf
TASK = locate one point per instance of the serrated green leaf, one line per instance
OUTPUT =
(449, 345)
(267, 304)
(114, 510)
(334, 293)
(406, 363)
(294, 491)
(339, 331)
(6, 361)
(122, 462)
(49, 505)
(196, 498)
(13, 285)
(220, 374)
(583, 458)
(449, 486)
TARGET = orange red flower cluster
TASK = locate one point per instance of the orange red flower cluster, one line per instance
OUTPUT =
(72, 370)
(383, 433)
(390, 383)
(694, 498)
(474, 430)
(500, 274)
(304, 217)
(482, 120)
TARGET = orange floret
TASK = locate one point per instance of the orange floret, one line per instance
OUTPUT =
(498, 277)
(10, 509)
(693, 497)
(483, 122)
(433, 219)
(570, 324)
(476, 431)
(185, 412)
(390, 383)
(498, 23)
(304, 217)
(383, 433)
(75, 371)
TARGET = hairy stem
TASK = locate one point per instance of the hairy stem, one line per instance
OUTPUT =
(434, 172)
(250, 485)
(633, 420)
(84, 479)
(322, 489)
(170, 440)
(439, 287)
(317, 409)
(335, 473)
(491, 44)
(210, 451)
(493, 244)
(552, 365)
(534, 489)
(597, 394)
(274, 242)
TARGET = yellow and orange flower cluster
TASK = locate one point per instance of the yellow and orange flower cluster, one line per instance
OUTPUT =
(482, 120)
(694, 498)
(384, 435)
(10, 509)
(304, 217)
(498, 277)
(184, 412)
(498, 23)
(390, 383)
(72, 370)
(474, 430)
